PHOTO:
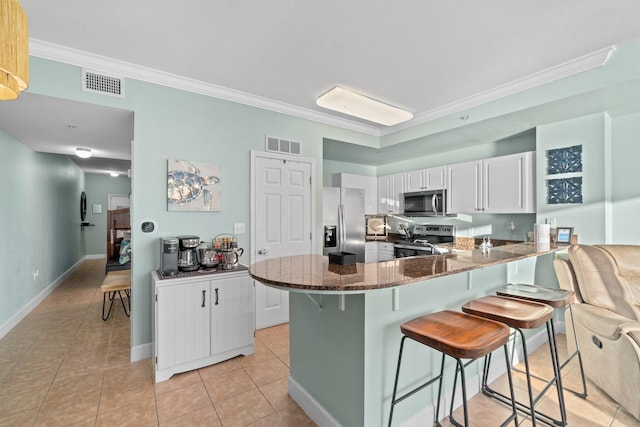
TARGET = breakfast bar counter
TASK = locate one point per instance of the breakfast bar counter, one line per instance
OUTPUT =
(344, 324)
(314, 274)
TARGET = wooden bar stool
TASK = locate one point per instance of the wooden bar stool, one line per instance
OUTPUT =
(460, 336)
(519, 315)
(556, 298)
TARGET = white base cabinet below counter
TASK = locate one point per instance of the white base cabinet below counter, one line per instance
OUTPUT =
(378, 251)
(201, 320)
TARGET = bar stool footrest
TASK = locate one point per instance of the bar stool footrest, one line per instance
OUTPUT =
(540, 416)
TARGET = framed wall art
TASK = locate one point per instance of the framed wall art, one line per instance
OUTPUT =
(193, 186)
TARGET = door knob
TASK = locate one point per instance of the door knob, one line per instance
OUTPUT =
(264, 251)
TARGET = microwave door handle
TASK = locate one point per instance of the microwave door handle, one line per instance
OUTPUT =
(434, 203)
(341, 230)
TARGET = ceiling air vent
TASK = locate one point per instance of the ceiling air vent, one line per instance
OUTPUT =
(280, 145)
(100, 83)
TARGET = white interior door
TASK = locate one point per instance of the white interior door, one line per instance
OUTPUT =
(282, 222)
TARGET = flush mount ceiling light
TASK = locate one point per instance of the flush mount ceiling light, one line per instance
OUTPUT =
(114, 174)
(14, 50)
(84, 153)
(352, 103)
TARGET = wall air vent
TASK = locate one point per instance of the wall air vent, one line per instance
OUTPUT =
(279, 145)
(100, 83)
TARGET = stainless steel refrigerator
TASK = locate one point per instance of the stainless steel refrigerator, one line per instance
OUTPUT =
(343, 220)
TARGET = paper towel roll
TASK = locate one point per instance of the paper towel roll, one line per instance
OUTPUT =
(542, 233)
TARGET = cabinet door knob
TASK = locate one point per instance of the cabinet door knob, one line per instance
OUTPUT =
(204, 297)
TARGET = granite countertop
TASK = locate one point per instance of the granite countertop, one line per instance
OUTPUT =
(313, 273)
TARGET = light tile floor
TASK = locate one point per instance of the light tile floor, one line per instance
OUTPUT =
(62, 365)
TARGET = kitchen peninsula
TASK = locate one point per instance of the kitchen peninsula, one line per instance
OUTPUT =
(344, 325)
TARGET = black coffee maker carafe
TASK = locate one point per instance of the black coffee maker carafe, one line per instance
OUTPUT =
(188, 254)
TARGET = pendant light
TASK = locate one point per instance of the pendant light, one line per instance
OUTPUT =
(14, 50)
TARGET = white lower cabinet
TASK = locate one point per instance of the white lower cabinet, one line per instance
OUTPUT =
(378, 251)
(370, 252)
(385, 251)
(202, 320)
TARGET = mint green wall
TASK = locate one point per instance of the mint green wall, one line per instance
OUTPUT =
(171, 124)
(516, 144)
(589, 218)
(624, 173)
(98, 188)
(329, 167)
(40, 218)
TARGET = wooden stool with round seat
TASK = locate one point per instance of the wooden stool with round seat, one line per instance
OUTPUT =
(460, 336)
(519, 315)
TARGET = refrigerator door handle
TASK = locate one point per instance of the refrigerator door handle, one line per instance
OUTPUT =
(341, 230)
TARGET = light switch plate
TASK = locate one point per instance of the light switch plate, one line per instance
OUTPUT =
(239, 228)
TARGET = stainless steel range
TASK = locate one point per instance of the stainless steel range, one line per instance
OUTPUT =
(425, 240)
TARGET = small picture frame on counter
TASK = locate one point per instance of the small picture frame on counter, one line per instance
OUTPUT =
(564, 235)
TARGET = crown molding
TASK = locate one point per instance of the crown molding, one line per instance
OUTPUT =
(50, 51)
(114, 67)
(566, 69)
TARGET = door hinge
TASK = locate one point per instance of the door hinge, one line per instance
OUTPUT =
(156, 360)
(310, 183)
(156, 297)
(310, 236)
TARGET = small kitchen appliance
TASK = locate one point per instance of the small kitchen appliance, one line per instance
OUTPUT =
(228, 251)
(207, 256)
(169, 256)
(188, 254)
(426, 239)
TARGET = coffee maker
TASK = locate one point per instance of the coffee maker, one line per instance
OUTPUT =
(169, 256)
(188, 254)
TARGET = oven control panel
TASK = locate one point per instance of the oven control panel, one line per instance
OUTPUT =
(434, 230)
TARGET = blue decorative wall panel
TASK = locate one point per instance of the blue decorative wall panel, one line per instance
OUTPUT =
(564, 160)
(564, 190)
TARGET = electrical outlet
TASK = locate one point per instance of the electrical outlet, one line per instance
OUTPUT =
(36, 273)
(239, 228)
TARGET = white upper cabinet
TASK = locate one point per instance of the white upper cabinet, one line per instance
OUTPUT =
(367, 183)
(436, 178)
(390, 189)
(509, 184)
(415, 181)
(464, 185)
(426, 179)
(503, 184)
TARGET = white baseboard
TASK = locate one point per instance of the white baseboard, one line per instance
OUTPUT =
(314, 410)
(13, 321)
(95, 256)
(141, 352)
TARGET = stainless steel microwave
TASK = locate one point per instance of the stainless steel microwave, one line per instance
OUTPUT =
(424, 203)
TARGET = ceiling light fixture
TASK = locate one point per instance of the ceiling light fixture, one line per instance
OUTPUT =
(357, 105)
(14, 50)
(83, 153)
(114, 174)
